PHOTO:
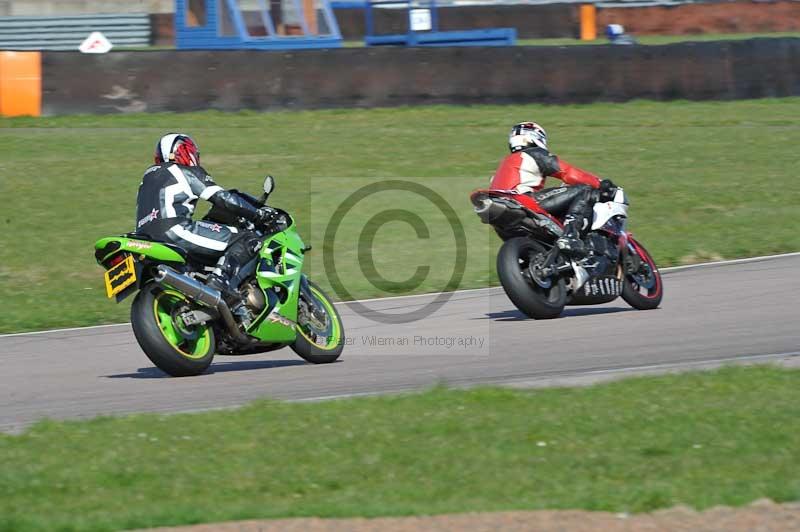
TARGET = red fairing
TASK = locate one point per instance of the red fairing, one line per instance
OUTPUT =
(507, 175)
(572, 175)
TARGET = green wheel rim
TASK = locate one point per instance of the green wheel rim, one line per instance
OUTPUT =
(334, 337)
(193, 346)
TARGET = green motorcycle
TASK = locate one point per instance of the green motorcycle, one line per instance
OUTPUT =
(180, 323)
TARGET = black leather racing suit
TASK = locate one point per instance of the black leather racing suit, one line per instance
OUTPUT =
(568, 203)
(166, 201)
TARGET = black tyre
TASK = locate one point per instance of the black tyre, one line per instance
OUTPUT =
(642, 287)
(535, 301)
(174, 348)
(320, 340)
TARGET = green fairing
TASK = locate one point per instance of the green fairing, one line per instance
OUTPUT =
(153, 250)
(285, 272)
(281, 267)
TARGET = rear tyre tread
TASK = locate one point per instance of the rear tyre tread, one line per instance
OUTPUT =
(518, 289)
(155, 346)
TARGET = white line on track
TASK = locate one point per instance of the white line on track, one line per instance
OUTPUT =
(663, 270)
(729, 262)
(88, 328)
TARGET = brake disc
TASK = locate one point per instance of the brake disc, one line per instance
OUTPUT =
(644, 276)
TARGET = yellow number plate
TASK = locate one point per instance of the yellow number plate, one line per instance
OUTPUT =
(120, 277)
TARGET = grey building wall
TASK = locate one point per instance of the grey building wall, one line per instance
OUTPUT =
(83, 7)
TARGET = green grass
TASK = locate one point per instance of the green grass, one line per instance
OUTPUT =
(703, 439)
(706, 180)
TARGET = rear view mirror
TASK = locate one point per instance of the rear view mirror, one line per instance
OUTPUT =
(269, 185)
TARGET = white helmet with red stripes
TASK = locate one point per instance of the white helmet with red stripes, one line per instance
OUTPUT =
(527, 134)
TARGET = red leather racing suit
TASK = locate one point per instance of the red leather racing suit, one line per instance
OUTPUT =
(525, 172)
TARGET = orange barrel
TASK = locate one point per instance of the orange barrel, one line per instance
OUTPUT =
(588, 22)
(20, 83)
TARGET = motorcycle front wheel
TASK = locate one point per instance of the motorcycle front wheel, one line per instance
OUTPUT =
(513, 261)
(175, 348)
(320, 333)
(641, 287)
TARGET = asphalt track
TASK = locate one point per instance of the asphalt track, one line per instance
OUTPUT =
(741, 310)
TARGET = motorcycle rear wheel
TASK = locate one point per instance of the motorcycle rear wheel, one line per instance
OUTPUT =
(176, 349)
(530, 298)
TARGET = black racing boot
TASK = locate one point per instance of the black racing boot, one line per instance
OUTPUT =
(221, 284)
(220, 279)
(232, 297)
(570, 242)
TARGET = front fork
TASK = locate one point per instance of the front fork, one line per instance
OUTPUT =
(632, 261)
(317, 313)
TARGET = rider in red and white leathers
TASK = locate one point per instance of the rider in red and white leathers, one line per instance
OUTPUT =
(525, 170)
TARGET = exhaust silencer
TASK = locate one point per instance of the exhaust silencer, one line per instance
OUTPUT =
(201, 293)
(497, 213)
(188, 286)
(488, 211)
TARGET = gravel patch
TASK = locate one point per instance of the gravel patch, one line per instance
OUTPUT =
(760, 516)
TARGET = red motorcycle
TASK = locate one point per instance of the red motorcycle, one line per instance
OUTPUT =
(540, 280)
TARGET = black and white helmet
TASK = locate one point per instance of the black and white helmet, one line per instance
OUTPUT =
(527, 134)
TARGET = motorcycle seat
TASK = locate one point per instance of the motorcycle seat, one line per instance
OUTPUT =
(177, 249)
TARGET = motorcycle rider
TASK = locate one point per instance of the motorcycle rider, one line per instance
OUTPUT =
(167, 199)
(525, 170)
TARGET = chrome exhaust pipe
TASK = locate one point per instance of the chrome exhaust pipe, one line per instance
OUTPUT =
(197, 291)
(489, 211)
(187, 286)
(498, 213)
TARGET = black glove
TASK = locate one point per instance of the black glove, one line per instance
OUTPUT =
(267, 215)
(607, 190)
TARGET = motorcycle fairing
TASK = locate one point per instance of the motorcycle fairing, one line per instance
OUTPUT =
(106, 247)
(279, 272)
(603, 212)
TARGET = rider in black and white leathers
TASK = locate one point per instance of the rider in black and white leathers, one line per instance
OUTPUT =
(166, 202)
